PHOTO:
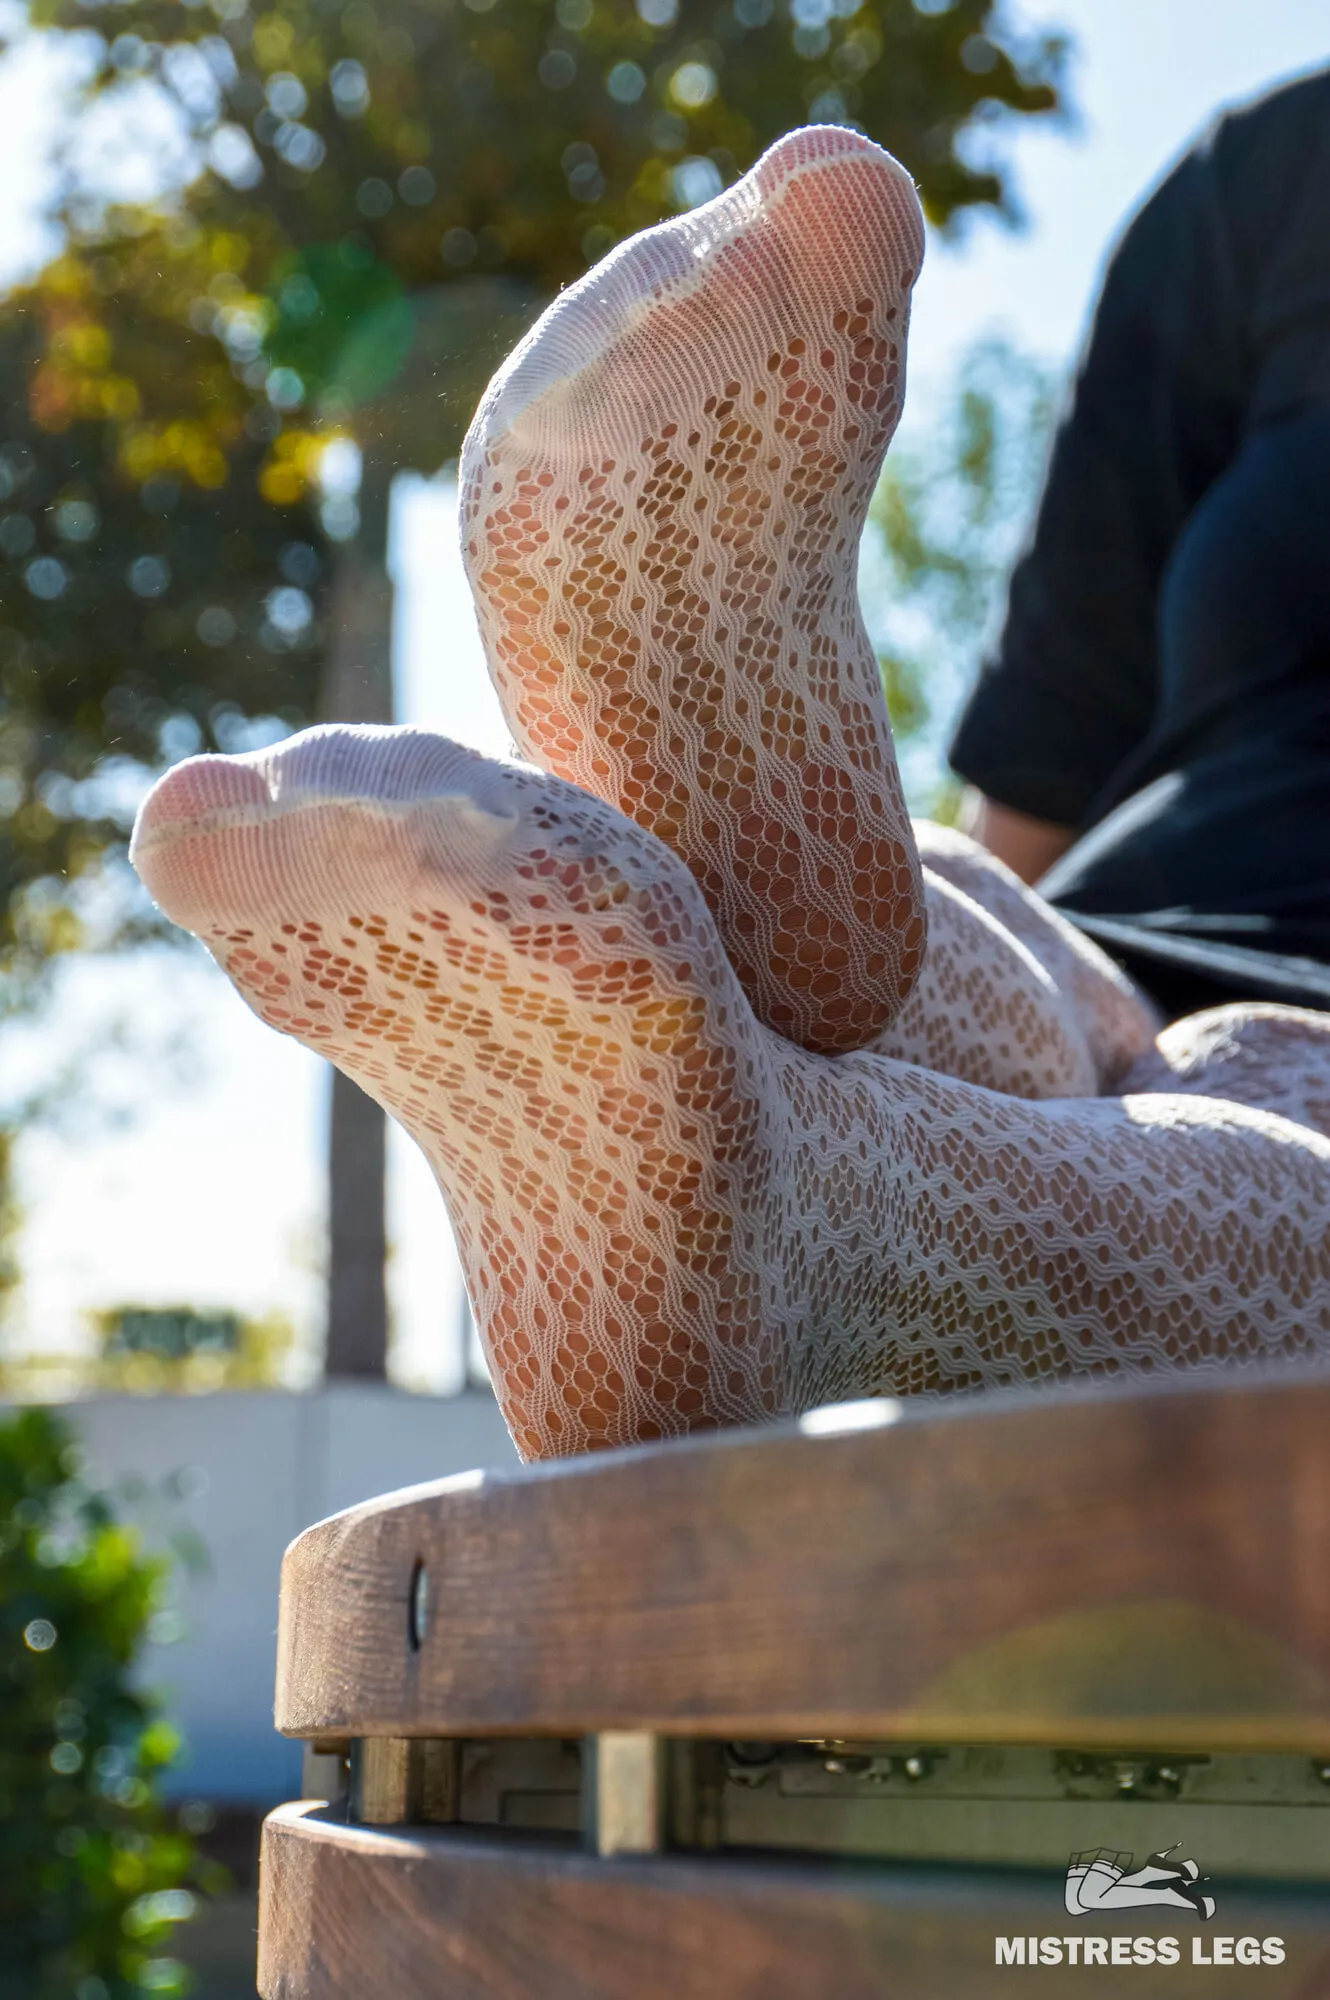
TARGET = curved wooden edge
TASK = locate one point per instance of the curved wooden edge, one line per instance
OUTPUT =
(346, 1913)
(1123, 1569)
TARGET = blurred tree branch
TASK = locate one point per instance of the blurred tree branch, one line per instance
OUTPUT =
(946, 525)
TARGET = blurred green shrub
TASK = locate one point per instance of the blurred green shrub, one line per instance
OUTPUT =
(93, 1877)
(158, 1350)
(152, 1351)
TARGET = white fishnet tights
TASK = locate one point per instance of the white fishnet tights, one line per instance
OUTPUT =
(663, 493)
(670, 1214)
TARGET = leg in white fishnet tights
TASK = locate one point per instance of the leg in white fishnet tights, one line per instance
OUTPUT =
(669, 1216)
(663, 495)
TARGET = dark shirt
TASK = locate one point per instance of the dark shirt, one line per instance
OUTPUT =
(1146, 634)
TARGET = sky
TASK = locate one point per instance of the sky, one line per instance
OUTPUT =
(213, 1194)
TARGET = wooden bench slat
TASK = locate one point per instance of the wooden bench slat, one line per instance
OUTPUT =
(1146, 1568)
(347, 1912)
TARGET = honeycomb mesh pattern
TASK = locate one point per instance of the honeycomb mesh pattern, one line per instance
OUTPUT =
(669, 1216)
(984, 1008)
(714, 1144)
(1071, 1029)
(1275, 1057)
(663, 493)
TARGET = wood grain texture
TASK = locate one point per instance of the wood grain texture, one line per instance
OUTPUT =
(347, 1913)
(1146, 1569)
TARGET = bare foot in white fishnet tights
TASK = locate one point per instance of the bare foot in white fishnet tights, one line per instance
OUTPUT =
(669, 1216)
(663, 494)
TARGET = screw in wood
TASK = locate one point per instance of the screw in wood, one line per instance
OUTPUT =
(417, 1623)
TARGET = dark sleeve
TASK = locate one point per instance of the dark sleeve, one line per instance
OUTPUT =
(1069, 694)
(1283, 246)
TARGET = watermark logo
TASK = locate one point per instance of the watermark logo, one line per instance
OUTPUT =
(1102, 1879)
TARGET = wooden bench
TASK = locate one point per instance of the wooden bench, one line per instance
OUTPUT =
(817, 1712)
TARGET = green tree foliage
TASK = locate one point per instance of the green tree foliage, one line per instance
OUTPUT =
(92, 1877)
(375, 200)
(504, 134)
(383, 194)
(946, 525)
(140, 567)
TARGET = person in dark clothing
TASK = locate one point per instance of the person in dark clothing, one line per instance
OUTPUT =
(1151, 741)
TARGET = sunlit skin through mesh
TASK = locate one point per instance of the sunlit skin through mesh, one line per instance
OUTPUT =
(663, 493)
(673, 1214)
(669, 1216)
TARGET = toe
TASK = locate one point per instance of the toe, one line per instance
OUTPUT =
(191, 793)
